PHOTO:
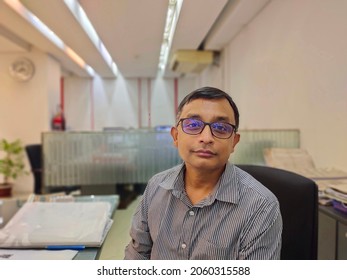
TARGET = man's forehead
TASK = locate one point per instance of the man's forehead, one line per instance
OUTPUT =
(199, 102)
(196, 108)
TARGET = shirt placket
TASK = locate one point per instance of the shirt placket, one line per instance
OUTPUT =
(187, 231)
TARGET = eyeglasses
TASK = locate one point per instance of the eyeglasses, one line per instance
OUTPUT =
(220, 130)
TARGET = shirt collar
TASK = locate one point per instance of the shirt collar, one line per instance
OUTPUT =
(229, 185)
(227, 189)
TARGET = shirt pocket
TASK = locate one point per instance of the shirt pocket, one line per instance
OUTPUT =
(208, 250)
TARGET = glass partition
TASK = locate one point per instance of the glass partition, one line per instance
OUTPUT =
(108, 157)
(134, 156)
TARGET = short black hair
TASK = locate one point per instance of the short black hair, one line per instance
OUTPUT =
(209, 93)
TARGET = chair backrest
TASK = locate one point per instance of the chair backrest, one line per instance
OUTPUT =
(34, 153)
(298, 198)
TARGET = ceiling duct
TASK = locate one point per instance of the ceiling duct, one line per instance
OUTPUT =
(191, 61)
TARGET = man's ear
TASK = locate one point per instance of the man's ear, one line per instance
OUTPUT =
(236, 139)
(174, 134)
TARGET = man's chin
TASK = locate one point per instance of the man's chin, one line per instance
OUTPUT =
(207, 166)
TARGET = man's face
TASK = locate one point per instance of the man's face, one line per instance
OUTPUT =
(204, 151)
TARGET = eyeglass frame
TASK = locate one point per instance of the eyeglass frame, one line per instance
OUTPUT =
(209, 124)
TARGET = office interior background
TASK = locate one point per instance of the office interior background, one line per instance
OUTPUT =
(283, 61)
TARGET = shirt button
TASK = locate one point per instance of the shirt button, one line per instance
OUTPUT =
(184, 245)
(191, 213)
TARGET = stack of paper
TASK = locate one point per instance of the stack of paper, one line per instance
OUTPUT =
(42, 224)
(337, 192)
(301, 162)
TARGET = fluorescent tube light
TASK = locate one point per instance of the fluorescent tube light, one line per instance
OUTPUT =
(172, 16)
(82, 18)
(18, 7)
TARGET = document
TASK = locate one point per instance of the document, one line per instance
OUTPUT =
(336, 194)
(43, 224)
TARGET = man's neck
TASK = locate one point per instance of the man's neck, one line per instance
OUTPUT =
(200, 184)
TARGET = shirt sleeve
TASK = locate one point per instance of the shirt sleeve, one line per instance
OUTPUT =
(140, 246)
(264, 236)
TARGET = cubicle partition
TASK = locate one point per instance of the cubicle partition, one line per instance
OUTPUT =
(133, 156)
(108, 157)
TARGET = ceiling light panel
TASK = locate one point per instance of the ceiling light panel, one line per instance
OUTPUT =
(173, 13)
(87, 26)
(20, 9)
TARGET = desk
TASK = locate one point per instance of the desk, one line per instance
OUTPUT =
(332, 234)
(92, 253)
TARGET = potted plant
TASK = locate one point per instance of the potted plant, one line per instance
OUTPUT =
(11, 164)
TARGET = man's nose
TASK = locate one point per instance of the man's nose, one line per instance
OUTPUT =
(206, 134)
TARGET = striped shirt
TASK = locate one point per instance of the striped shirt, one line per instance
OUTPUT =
(239, 220)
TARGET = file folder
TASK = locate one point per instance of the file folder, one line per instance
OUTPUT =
(43, 224)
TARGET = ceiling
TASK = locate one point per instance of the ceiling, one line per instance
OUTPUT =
(130, 30)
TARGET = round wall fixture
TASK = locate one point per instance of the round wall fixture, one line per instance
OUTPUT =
(22, 69)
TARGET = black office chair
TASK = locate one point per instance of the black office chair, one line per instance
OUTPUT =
(34, 153)
(35, 159)
(298, 198)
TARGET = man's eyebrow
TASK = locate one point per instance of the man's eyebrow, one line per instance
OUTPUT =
(226, 119)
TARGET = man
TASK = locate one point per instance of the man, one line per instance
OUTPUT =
(206, 208)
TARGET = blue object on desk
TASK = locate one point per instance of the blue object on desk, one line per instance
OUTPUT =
(66, 247)
(340, 206)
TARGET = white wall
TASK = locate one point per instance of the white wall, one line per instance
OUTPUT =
(288, 69)
(26, 107)
(131, 103)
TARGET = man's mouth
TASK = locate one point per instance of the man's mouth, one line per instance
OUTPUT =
(204, 153)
